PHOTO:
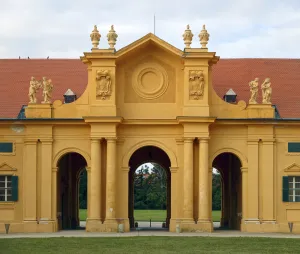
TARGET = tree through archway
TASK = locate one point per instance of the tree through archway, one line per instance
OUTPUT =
(70, 172)
(149, 184)
(229, 167)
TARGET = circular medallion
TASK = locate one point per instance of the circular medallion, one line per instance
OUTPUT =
(150, 80)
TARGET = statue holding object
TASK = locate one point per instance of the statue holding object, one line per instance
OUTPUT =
(266, 91)
(34, 86)
(254, 91)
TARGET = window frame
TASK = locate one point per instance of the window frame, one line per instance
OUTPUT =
(294, 189)
(5, 188)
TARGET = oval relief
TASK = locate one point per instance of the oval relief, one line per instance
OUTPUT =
(150, 80)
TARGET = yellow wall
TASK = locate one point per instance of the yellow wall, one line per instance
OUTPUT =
(106, 132)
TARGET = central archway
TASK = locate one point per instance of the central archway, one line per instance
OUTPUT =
(149, 154)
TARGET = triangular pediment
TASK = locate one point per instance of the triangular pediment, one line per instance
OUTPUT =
(144, 41)
(292, 168)
(6, 167)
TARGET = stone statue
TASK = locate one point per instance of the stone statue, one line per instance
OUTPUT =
(254, 91)
(34, 86)
(266, 91)
(47, 90)
(103, 88)
(112, 37)
(95, 37)
(196, 84)
(204, 37)
(188, 37)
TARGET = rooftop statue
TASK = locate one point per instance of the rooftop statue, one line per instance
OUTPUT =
(254, 91)
(266, 91)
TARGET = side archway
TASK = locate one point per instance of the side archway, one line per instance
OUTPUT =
(65, 151)
(243, 159)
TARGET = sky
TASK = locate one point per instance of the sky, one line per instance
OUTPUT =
(237, 28)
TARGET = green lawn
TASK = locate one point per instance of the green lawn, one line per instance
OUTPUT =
(155, 215)
(150, 244)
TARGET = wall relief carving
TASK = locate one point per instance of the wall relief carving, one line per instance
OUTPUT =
(197, 83)
(150, 80)
(103, 84)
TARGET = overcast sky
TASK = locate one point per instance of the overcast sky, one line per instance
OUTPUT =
(61, 28)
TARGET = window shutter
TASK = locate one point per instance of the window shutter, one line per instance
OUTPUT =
(15, 187)
(285, 189)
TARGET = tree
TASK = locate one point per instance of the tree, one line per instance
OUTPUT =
(150, 188)
(216, 192)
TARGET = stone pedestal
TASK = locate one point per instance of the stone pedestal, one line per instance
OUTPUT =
(38, 111)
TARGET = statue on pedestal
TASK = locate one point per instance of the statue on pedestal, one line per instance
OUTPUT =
(254, 91)
(47, 90)
(34, 86)
(266, 91)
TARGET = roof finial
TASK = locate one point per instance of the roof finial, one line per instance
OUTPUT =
(95, 37)
(188, 37)
(112, 37)
(204, 37)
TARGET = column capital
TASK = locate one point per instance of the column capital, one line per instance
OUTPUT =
(268, 141)
(30, 141)
(88, 169)
(95, 139)
(111, 139)
(244, 169)
(188, 140)
(174, 169)
(54, 169)
(203, 139)
(252, 141)
(46, 141)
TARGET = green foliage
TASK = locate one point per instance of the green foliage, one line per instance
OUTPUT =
(150, 188)
(216, 192)
(83, 190)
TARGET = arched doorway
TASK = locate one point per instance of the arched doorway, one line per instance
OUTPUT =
(70, 171)
(155, 155)
(229, 168)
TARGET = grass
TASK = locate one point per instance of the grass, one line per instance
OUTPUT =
(150, 244)
(155, 215)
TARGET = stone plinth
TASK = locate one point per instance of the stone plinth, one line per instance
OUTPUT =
(38, 111)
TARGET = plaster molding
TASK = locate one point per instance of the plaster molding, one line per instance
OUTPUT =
(294, 167)
(147, 75)
(6, 167)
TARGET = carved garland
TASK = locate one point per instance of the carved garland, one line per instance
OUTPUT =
(103, 84)
(196, 82)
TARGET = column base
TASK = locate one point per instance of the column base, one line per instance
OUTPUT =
(94, 225)
(30, 226)
(47, 226)
(256, 226)
(205, 226)
(185, 225)
(111, 225)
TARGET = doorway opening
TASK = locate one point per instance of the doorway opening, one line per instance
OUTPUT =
(71, 191)
(228, 179)
(149, 206)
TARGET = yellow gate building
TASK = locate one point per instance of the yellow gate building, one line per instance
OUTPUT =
(147, 102)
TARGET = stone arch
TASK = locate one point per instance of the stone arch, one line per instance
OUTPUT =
(169, 152)
(64, 151)
(237, 153)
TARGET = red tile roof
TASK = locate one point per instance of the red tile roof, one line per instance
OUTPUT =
(15, 75)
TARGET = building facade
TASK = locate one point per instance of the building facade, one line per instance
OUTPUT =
(150, 102)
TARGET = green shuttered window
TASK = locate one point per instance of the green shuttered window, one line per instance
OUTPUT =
(291, 188)
(6, 147)
(293, 147)
(8, 188)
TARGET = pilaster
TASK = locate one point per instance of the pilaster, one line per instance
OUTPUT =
(94, 195)
(29, 185)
